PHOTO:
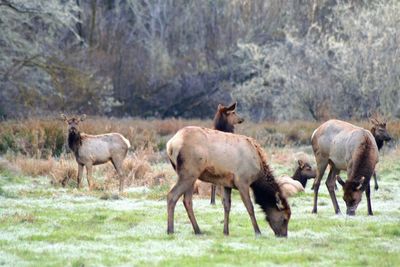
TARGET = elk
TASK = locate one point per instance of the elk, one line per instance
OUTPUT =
(224, 120)
(90, 150)
(344, 147)
(381, 136)
(292, 185)
(304, 172)
(229, 160)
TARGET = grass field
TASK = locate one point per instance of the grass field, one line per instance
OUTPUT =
(44, 225)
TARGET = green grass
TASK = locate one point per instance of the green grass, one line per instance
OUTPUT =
(45, 226)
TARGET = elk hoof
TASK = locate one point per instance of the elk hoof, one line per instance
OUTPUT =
(376, 188)
(314, 211)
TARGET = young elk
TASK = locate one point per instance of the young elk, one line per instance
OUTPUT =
(229, 160)
(344, 147)
(298, 181)
(92, 150)
(225, 120)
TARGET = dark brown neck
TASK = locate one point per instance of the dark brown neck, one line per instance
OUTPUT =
(221, 123)
(297, 176)
(74, 141)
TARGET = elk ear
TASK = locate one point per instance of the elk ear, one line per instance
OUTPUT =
(221, 107)
(301, 163)
(341, 182)
(63, 117)
(232, 107)
(83, 117)
(279, 204)
(361, 183)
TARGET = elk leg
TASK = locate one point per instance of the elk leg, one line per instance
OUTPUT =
(188, 203)
(183, 185)
(213, 189)
(330, 184)
(118, 167)
(79, 178)
(376, 181)
(245, 195)
(368, 194)
(226, 201)
(89, 176)
(321, 166)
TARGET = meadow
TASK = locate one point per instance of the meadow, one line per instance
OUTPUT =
(45, 224)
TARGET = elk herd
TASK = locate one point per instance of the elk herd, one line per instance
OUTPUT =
(232, 161)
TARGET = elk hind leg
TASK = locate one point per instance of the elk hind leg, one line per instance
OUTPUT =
(117, 162)
(188, 203)
(184, 184)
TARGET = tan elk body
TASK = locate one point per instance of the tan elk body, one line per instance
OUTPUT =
(90, 150)
(344, 147)
(229, 160)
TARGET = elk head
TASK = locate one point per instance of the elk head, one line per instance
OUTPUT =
(352, 193)
(73, 122)
(379, 131)
(226, 118)
(278, 217)
(306, 171)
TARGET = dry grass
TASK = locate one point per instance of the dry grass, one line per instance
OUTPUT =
(45, 137)
(35, 147)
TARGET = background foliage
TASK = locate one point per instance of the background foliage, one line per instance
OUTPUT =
(282, 60)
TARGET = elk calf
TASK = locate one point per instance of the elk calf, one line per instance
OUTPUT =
(292, 185)
(90, 150)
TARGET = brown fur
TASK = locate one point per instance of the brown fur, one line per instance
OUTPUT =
(230, 160)
(344, 147)
(92, 150)
(304, 172)
(224, 120)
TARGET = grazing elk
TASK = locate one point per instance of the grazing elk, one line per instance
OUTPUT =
(229, 160)
(344, 147)
(224, 120)
(292, 185)
(381, 136)
(92, 150)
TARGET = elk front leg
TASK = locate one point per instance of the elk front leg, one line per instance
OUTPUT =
(213, 190)
(245, 195)
(368, 194)
(330, 184)
(80, 173)
(226, 201)
(89, 174)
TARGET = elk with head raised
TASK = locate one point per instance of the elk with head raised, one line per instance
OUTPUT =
(229, 160)
(381, 136)
(90, 150)
(225, 120)
(344, 147)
